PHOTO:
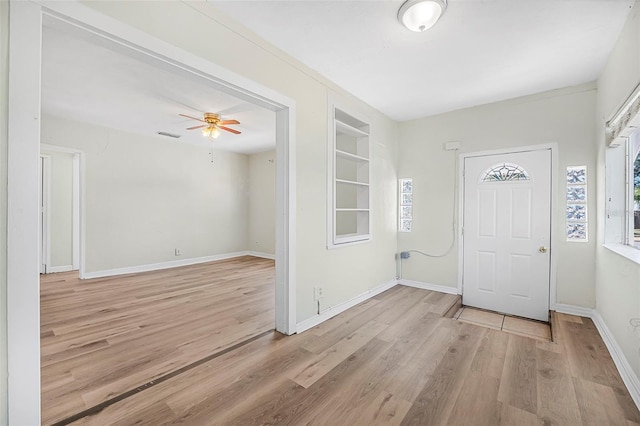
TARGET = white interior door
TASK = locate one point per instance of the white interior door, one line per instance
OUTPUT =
(506, 234)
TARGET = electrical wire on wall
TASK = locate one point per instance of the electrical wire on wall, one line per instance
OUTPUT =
(406, 254)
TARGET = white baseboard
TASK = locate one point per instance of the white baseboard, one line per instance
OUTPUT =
(629, 376)
(56, 269)
(573, 310)
(427, 286)
(163, 265)
(335, 310)
(262, 255)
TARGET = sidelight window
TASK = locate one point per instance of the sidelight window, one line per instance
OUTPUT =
(576, 214)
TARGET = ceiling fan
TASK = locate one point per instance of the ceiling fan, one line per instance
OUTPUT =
(212, 125)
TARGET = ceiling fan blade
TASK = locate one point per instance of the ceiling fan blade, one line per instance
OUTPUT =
(229, 130)
(223, 122)
(197, 127)
(193, 118)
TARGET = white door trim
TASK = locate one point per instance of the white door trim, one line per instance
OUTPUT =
(553, 147)
(77, 253)
(45, 218)
(23, 286)
(78, 209)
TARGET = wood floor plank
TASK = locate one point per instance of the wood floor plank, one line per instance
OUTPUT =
(408, 381)
(335, 323)
(386, 409)
(557, 403)
(306, 404)
(511, 416)
(377, 375)
(436, 400)
(391, 360)
(106, 336)
(587, 354)
(518, 385)
(327, 360)
(477, 404)
(381, 312)
(489, 360)
(442, 306)
(347, 402)
(598, 404)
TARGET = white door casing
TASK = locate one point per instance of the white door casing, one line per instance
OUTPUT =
(44, 218)
(507, 233)
(23, 291)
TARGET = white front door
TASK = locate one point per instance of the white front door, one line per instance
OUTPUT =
(506, 233)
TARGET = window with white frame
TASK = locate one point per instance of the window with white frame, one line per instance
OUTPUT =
(622, 158)
(633, 190)
(405, 203)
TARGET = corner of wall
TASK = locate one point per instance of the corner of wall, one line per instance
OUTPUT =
(617, 277)
(4, 83)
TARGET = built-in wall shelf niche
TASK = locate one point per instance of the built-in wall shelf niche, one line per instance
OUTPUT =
(349, 186)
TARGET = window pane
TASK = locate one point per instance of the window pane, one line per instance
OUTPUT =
(406, 212)
(636, 201)
(576, 194)
(505, 172)
(405, 225)
(407, 185)
(576, 231)
(576, 175)
(407, 199)
(576, 212)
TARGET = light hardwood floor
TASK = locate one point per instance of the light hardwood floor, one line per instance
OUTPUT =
(103, 337)
(394, 360)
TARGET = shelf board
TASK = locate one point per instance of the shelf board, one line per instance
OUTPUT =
(352, 210)
(350, 156)
(350, 238)
(351, 182)
(349, 130)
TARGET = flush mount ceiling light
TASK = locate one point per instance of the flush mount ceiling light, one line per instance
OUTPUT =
(420, 15)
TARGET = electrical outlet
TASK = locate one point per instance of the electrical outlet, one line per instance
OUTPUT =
(177, 252)
(318, 293)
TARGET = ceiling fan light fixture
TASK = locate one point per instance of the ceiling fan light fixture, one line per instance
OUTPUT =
(420, 15)
(213, 125)
(211, 132)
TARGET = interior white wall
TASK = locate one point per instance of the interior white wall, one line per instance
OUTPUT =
(262, 203)
(617, 278)
(346, 272)
(4, 83)
(148, 195)
(61, 209)
(562, 116)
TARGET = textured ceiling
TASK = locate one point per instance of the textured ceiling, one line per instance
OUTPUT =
(481, 51)
(88, 79)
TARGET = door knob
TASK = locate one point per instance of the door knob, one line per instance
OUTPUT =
(542, 249)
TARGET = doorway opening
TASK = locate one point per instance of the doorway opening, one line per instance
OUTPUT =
(24, 150)
(60, 236)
